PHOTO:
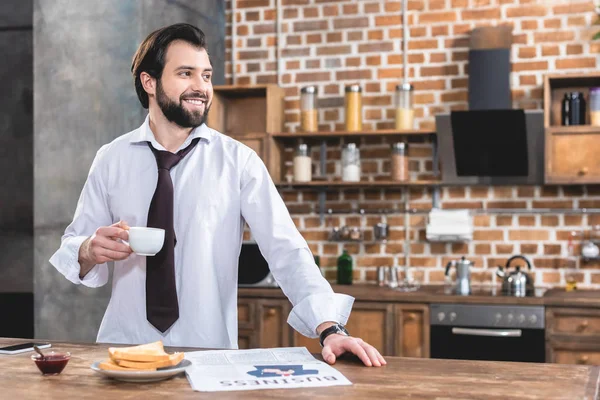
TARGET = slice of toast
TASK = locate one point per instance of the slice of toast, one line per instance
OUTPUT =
(150, 352)
(109, 365)
(173, 360)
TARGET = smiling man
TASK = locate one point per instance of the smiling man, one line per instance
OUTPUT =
(201, 186)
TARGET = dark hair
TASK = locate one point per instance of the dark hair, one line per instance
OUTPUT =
(150, 56)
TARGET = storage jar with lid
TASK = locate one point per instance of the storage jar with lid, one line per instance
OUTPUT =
(405, 112)
(353, 102)
(595, 106)
(351, 163)
(302, 164)
(400, 162)
(308, 109)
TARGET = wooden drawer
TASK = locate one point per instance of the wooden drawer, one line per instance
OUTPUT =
(581, 357)
(577, 322)
(573, 158)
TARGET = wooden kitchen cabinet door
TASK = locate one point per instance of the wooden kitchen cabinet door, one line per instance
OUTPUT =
(573, 157)
(372, 322)
(412, 330)
(272, 323)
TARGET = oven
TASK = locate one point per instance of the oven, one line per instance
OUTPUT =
(487, 332)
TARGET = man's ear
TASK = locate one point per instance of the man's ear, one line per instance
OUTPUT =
(148, 83)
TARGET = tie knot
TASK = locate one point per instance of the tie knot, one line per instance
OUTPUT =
(167, 160)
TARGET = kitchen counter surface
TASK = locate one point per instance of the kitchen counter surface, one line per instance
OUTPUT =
(402, 378)
(439, 294)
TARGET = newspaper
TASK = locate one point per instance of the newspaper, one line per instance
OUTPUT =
(278, 368)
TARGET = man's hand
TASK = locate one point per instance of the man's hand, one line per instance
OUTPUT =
(104, 245)
(337, 344)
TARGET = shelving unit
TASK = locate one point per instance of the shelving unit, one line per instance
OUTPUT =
(571, 151)
(356, 185)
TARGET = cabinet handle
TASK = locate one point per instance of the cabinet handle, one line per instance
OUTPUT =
(583, 359)
(271, 312)
(584, 324)
(583, 171)
(410, 317)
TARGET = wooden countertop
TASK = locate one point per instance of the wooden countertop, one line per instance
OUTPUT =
(412, 378)
(437, 294)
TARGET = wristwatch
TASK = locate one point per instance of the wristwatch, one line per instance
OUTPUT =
(337, 328)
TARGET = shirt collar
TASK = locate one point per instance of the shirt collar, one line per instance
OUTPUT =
(145, 134)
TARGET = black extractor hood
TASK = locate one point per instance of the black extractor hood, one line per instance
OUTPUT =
(491, 143)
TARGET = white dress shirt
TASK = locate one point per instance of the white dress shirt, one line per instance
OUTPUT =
(220, 184)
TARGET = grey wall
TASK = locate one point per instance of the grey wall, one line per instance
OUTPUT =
(16, 147)
(84, 98)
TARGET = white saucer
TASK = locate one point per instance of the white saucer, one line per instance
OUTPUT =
(144, 376)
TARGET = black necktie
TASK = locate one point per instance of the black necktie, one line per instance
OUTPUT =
(162, 308)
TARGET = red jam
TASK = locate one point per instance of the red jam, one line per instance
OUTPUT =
(52, 364)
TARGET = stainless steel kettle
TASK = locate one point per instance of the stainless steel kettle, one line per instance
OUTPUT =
(463, 275)
(516, 283)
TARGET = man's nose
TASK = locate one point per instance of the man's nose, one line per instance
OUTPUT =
(199, 84)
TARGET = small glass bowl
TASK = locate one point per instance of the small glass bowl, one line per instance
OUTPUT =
(53, 363)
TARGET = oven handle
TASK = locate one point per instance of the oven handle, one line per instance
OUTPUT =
(488, 332)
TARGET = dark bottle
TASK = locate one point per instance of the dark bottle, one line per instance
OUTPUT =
(344, 269)
(577, 108)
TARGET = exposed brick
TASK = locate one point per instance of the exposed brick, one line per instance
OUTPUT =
(504, 220)
(376, 47)
(483, 248)
(529, 248)
(526, 220)
(313, 77)
(573, 8)
(552, 37)
(388, 20)
(435, 17)
(294, 52)
(252, 3)
(549, 220)
(552, 249)
(527, 52)
(504, 248)
(526, 11)
(303, 26)
(354, 75)
(333, 50)
(583, 62)
(529, 66)
(439, 70)
(331, 11)
(263, 28)
(490, 13)
(528, 235)
(506, 204)
(371, 8)
(252, 55)
(345, 23)
(423, 44)
(488, 235)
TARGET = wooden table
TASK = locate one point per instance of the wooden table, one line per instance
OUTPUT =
(402, 378)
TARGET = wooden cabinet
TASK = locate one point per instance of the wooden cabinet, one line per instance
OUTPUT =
(573, 335)
(412, 330)
(250, 113)
(571, 151)
(393, 329)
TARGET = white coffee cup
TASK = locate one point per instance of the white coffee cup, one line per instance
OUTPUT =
(146, 241)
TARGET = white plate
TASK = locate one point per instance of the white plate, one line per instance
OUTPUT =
(144, 376)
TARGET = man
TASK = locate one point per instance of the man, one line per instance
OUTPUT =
(176, 173)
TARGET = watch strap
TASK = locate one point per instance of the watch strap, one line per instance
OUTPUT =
(336, 328)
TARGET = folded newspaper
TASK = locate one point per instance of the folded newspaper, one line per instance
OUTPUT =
(278, 368)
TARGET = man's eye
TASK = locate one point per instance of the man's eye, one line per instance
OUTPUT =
(185, 73)
(207, 77)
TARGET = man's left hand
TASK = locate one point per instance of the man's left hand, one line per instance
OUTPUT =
(335, 345)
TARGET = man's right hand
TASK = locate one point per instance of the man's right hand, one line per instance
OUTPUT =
(104, 245)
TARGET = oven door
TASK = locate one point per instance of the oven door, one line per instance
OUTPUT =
(494, 344)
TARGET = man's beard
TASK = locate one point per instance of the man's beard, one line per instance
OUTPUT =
(177, 113)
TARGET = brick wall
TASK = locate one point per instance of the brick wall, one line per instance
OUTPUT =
(334, 43)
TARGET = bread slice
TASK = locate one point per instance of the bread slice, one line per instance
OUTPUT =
(150, 352)
(173, 360)
(109, 365)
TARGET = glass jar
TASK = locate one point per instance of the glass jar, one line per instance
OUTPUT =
(302, 164)
(351, 163)
(573, 109)
(353, 102)
(405, 112)
(399, 162)
(344, 269)
(308, 109)
(595, 106)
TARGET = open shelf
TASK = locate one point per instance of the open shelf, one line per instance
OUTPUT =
(356, 185)
(341, 134)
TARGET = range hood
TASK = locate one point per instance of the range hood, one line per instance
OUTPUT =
(491, 143)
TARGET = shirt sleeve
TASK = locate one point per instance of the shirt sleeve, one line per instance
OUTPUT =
(287, 253)
(91, 213)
